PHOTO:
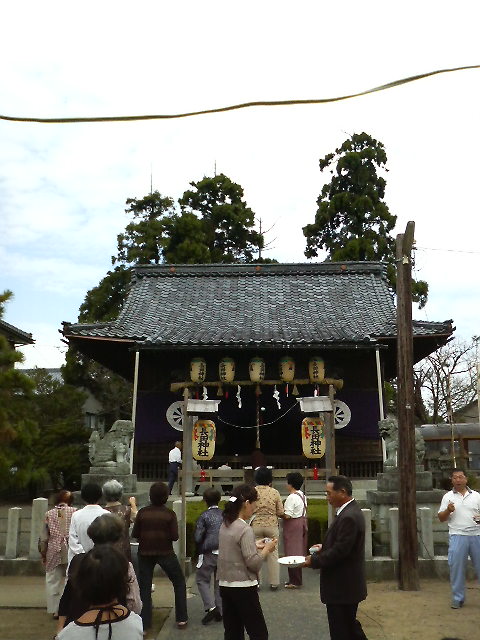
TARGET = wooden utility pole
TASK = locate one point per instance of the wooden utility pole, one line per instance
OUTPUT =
(407, 512)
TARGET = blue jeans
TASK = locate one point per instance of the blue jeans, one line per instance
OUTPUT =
(459, 548)
(171, 566)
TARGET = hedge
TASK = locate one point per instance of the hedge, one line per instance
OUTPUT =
(317, 514)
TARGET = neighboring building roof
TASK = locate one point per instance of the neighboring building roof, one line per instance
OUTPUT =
(15, 335)
(250, 305)
(56, 374)
(444, 431)
(466, 412)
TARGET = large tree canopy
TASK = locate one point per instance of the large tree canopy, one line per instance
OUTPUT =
(353, 222)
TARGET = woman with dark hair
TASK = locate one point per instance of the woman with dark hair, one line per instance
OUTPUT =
(156, 528)
(53, 547)
(106, 530)
(101, 581)
(265, 519)
(239, 561)
(295, 526)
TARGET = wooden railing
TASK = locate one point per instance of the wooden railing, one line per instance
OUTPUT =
(150, 471)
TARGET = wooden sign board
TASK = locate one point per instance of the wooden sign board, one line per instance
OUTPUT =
(313, 438)
(203, 440)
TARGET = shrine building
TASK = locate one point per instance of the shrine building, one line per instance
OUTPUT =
(256, 337)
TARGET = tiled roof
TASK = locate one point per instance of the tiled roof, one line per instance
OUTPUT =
(13, 334)
(278, 305)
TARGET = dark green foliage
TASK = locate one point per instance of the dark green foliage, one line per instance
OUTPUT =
(227, 221)
(61, 443)
(103, 302)
(145, 237)
(18, 431)
(352, 221)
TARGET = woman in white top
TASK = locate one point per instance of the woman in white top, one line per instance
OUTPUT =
(102, 581)
(295, 526)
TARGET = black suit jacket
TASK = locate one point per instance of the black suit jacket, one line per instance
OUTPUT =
(342, 559)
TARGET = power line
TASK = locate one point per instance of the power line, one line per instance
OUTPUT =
(449, 250)
(234, 107)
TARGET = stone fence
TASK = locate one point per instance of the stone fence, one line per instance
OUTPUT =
(22, 532)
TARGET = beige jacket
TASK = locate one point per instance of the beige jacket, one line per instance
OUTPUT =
(238, 557)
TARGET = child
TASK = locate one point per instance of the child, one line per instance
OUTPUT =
(206, 537)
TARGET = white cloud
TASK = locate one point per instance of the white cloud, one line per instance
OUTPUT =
(63, 187)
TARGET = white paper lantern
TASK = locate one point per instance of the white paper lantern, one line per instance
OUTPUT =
(316, 369)
(226, 370)
(198, 370)
(287, 369)
(257, 369)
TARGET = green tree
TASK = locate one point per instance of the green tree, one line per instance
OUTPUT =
(227, 220)
(353, 222)
(61, 443)
(18, 430)
(144, 238)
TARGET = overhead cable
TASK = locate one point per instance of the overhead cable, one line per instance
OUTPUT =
(234, 107)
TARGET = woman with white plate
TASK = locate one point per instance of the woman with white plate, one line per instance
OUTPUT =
(239, 561)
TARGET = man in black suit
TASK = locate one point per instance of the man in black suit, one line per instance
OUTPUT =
(341, 560)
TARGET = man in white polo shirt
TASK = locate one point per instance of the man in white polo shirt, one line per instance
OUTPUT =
(460, 507)
(78, 539)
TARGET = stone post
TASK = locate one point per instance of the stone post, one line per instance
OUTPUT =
(368, 533)
(13, 531)
(393, 512)
(39, 509)
(426, 533)
(177, 508)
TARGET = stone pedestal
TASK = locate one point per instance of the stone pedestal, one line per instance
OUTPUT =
(387, 497)
(100, 475)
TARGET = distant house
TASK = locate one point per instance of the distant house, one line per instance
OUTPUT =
(92, 409)
(15, 337)
(468, 413)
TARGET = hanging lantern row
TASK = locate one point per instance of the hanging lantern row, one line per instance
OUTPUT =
(256, 369)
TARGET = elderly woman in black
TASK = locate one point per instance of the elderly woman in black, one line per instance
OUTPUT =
(113, 494)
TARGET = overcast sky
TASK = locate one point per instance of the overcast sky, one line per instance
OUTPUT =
(63, 187)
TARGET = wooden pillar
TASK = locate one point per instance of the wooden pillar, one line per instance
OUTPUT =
(134, 406)
(186, 454)
(408, 550)
(330, 467)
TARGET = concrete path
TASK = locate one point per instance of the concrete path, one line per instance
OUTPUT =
(18, 592)
(288, 613)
